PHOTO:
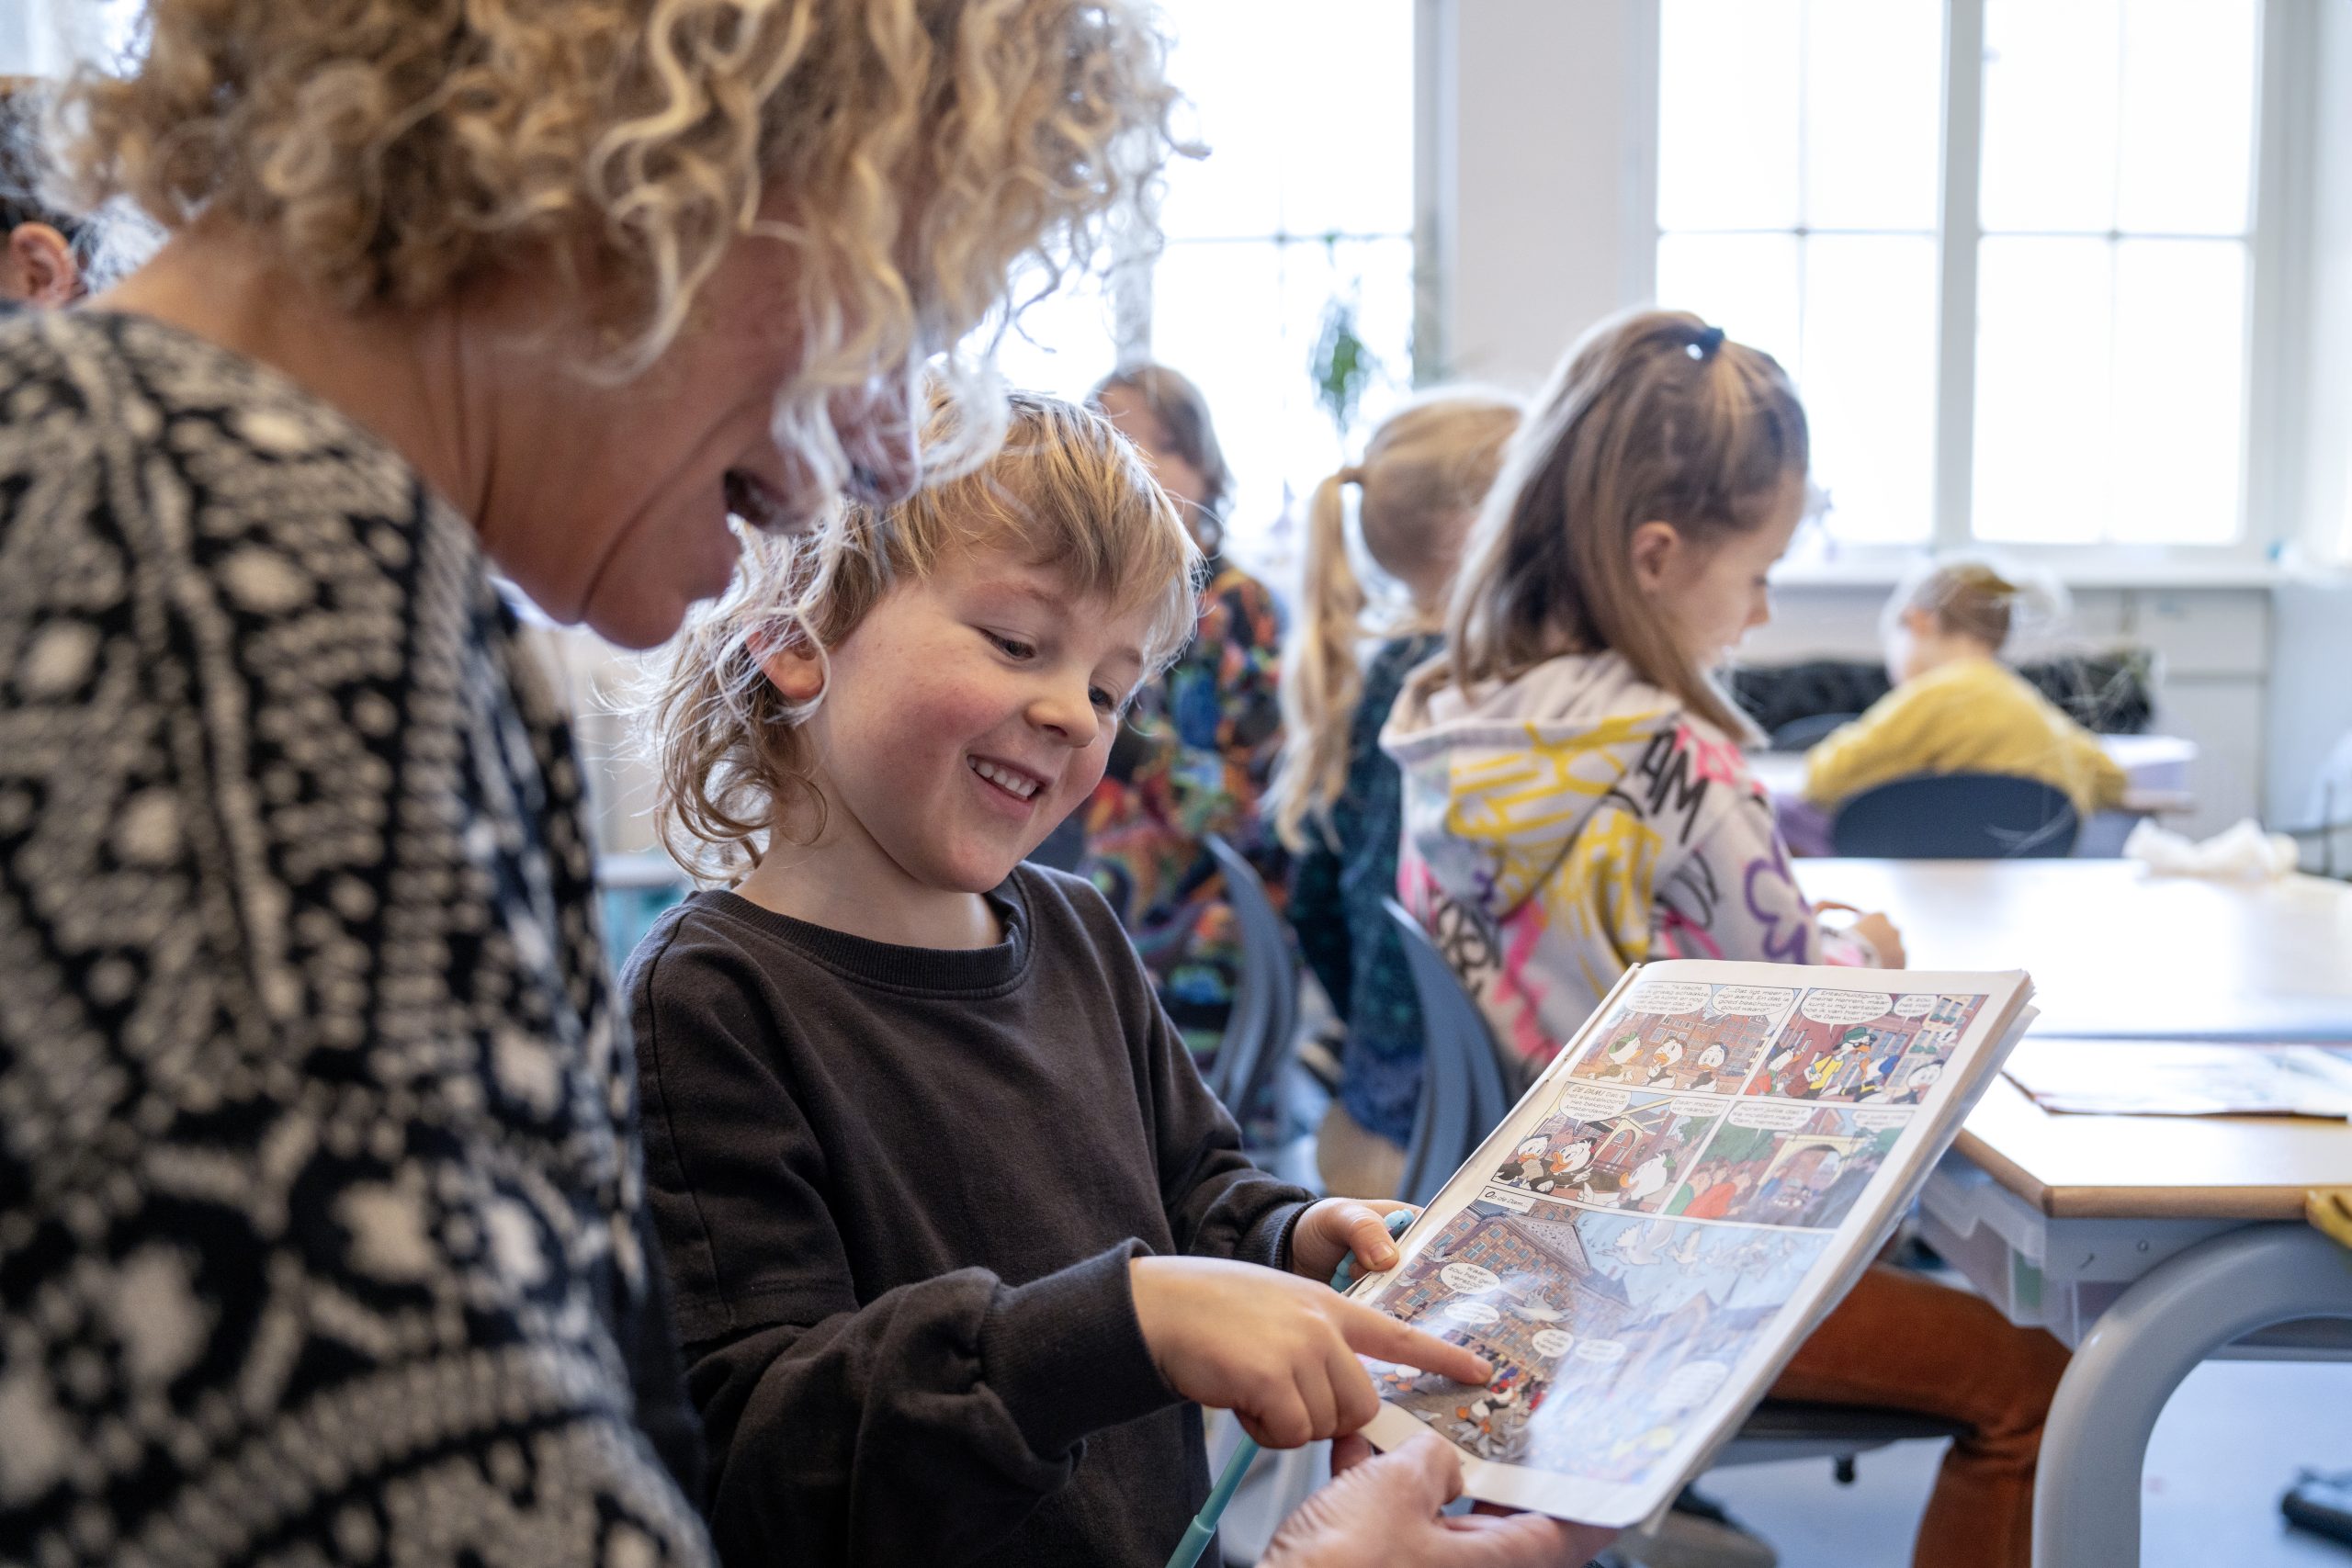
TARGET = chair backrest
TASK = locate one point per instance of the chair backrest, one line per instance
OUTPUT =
(1804, 734)
(1462, 1098)
(1958, 817)
(1261, 1033)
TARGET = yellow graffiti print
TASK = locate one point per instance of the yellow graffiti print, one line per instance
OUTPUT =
(1518, 805)
(1603, 890)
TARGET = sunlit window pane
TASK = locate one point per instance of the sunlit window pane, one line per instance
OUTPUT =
(1062, 343)
(2051, 101)
(1242, 320)
(1873, 133)
(1294, 146)
(1746, 284)
(1867, 370)
(2187, 116)
(1727, 114)
(2044, 388)
(2180, 384)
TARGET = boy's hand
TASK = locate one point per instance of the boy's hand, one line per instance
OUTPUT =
(1277, 1351)
(1335, 1227)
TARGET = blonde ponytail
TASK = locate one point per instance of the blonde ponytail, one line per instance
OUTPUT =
(1424, 472)
(1322, 674)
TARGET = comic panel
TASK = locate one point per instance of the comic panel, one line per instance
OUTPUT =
(1685, 1037)
(1611, 1147)
(1869, 1047)
(1606, 1330)
(1780, 1164)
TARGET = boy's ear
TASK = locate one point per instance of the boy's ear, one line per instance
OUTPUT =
(1655, 547)
(790, 661)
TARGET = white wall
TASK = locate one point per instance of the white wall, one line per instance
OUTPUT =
(1551, 176)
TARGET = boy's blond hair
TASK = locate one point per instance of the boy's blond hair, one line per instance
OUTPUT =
(1653, 417)
(1424, 467)
(1065, 492)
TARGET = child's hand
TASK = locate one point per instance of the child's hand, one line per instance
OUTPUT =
(1278, 1351)
(1335, 1227)
(1879, 933)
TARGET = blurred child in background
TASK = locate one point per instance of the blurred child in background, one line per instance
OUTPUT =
(1956, 708)
(1195, 757)
(1335, 795)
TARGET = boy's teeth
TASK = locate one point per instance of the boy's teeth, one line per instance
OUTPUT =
(1014, 782)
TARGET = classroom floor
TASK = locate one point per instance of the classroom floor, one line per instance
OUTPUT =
(2228, 1444)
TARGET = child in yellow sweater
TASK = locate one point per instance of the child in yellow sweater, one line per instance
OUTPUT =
(1956, 708)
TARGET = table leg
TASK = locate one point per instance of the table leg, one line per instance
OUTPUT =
(2086, 1496)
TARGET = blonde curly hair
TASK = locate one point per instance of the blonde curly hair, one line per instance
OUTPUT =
(1065, 492)
(388, 150)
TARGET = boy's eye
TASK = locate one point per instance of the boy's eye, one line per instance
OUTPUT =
(1013, 647)
(1108, 701)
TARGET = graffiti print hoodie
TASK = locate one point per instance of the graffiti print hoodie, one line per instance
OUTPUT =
(1567, 825)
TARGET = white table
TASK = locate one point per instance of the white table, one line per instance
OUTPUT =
(2147, 1243)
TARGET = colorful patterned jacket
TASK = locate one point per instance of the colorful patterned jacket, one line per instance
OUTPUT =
(1194, 760)
(1579, 820)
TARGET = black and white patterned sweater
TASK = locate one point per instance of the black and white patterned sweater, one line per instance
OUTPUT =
(319, 1199)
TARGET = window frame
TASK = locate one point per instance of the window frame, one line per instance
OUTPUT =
(2278, 283)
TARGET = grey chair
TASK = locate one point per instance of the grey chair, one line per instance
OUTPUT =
(1462, 1097)
(1463, 1101)
(1958, 817)
(1261, 1033)
(1804, 734)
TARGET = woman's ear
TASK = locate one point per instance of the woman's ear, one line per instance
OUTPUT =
(1656, 549)
(790, 661)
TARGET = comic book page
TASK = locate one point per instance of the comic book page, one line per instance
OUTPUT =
(1649, 1234)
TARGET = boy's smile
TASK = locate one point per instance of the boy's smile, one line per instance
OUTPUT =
(968, 713)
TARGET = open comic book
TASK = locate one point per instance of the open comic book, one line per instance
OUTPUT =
(1689, 1187)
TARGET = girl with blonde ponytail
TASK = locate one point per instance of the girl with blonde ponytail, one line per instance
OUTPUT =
(1334, 796)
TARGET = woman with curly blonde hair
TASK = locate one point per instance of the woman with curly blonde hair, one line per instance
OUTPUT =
(321, 1210)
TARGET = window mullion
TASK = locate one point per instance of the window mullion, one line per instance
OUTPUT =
(1961, 227)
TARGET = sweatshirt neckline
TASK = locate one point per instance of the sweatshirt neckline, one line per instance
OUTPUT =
(928, 971)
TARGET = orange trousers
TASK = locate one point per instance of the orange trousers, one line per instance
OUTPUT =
(1900, 1341)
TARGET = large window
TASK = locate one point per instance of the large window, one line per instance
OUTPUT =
(2003, 245)
(1300, 219)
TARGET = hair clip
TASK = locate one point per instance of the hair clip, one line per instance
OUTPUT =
(1710, 339)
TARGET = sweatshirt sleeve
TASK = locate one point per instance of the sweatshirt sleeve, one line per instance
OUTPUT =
(924, 1425)
(1218, 1204)
(1886, 742)
(1738, 897)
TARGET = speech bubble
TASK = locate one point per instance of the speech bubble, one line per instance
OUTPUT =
(1845, 1006)
(1477, 1313)
(1507, 1198)
(1687, 1105)
(1599, 1352)
(1693, 1384)
(1770, 1115)
(1914, 1005)
(1668, 997)
(1553, 1342)
(1924, 1079)
(1592, 1102)
(1469, 1278)
(1752, 1001)
(1875, 1121)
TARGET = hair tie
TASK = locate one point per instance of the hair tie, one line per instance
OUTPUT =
(1703, 346)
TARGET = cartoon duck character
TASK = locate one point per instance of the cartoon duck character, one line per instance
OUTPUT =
(1526, 1164)
(1621, 1056)
(1663, 1064)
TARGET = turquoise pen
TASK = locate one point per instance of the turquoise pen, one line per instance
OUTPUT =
(1196, 1534)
